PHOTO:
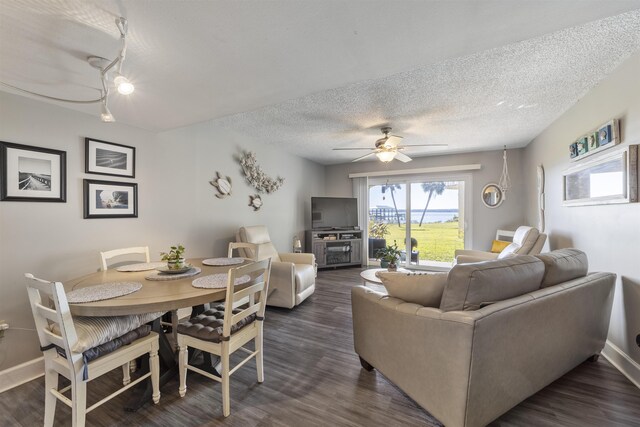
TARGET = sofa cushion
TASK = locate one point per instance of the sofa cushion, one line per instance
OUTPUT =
(563, 265)
(305, 276)
(471, 286)
(418, 288)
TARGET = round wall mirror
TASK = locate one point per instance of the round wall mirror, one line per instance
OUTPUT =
(492, 195)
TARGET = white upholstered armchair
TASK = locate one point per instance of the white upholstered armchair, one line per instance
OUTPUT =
(293, 275)
(526, 241)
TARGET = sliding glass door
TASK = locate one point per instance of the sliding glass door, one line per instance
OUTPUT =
(424, 216)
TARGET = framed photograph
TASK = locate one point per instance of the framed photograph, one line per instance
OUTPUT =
(107, 158)
(606, 179)
(32, 174)
(110, 199)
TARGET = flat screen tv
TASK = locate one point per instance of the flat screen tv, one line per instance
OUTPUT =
(334, 212)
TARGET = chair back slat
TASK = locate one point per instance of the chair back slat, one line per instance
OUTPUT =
(241, 246)
(259, 272)
(45, 316)
(107, 255)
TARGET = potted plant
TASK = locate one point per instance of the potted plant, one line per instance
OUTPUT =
(389, 256)
(377, 241)
(175, 257)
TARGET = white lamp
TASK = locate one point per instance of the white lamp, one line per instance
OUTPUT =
(297, 246)
(386, 156)
(125, 87)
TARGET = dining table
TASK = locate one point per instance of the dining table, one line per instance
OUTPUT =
(154, 296)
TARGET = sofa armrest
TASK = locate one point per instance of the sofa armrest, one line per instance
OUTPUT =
(298, 258)
(466, 256)
(425, 351)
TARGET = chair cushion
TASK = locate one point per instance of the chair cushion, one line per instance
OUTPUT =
(471, 286)
(526, 238)
(208, 325)
(94, 331)
(305, 276)
(563, 265)
(258, 235)
(418, 288)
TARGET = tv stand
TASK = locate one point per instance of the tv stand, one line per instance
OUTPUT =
(335, 247)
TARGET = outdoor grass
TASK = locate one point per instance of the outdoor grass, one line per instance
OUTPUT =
(436, 241)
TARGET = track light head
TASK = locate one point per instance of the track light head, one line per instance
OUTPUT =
(124, 86)
(105, 114)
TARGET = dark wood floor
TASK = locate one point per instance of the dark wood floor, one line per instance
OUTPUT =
(313, 378)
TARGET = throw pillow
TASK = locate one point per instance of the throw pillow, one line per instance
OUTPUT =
(498, 245)
(418, 288)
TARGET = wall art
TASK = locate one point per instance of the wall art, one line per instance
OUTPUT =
(606, 136)
(255, 202)
(222, 184)
(32, 174)
(256, 177)
(107, 158)
(110, 199)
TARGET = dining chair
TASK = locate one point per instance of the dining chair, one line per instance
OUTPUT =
(114, 253)
(107, 255)
(253, 249)
(62, 346)
(223, 330)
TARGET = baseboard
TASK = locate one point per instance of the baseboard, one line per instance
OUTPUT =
(25, 372)
(629, 367)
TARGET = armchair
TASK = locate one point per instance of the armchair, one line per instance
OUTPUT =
(293, 275)
(526, 241)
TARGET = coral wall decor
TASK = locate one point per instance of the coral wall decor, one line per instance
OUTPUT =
(256, 177)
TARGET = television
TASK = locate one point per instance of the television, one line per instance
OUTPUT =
(334, 213)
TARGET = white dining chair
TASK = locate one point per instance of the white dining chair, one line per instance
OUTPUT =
(60, 343)
(107, 255)
(223, 330)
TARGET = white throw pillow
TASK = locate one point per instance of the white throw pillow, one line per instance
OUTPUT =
(419, 288)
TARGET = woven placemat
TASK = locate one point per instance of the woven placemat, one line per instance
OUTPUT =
(223, 261)
(143, 266)
(102, 292)
(165, 276)
(218, 281)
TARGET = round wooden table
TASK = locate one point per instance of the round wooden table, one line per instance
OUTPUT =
(154, 296)
(371, 277)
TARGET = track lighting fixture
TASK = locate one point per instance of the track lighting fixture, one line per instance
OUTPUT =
(106, 67)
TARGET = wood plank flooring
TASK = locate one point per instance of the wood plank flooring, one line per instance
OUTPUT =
(313, 378)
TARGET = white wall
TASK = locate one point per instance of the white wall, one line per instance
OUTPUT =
(610, 235)
(176, 203)
(485, 221)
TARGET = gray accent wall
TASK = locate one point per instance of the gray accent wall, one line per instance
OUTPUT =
(610, 235)
(176, 203)
(486, 221)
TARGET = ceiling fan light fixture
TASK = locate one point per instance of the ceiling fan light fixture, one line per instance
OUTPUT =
(386, 156)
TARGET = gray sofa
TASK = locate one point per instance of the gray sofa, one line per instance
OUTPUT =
(504, 330)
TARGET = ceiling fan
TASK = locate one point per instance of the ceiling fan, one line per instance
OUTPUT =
(388, 148)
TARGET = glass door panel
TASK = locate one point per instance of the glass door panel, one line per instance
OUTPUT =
(387, 216)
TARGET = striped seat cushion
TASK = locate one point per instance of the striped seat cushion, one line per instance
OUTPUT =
(208, 325)
(94, 331)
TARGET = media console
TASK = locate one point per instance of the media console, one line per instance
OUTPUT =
(335, 248)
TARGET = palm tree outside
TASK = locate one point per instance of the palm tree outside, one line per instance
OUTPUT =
(432, 188)
(392, 188)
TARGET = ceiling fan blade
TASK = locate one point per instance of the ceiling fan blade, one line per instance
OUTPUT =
(362, 157)
(393, 141)
(425, 145)
(355, 148)
(403, 157)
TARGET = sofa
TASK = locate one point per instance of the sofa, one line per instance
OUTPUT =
(502, 331)
(526, 241)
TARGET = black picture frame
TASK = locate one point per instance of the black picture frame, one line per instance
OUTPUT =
(124, 204)
(109, 158)
(32, 174)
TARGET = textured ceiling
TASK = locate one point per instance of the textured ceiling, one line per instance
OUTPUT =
(307, 76)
